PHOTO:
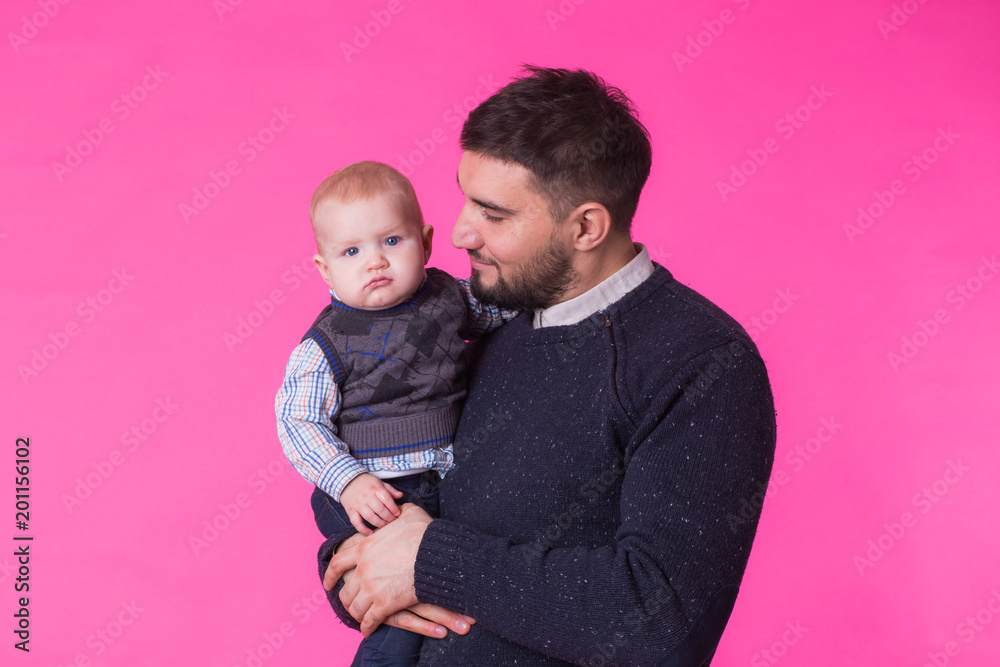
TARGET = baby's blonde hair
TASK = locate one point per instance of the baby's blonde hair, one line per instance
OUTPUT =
(367, 180)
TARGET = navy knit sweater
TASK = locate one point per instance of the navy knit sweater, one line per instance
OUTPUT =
(605, 496)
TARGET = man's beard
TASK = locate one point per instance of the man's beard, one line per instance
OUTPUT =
(539, 284)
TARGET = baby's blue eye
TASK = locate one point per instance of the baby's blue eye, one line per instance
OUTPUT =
(351, 252)
(392, 240)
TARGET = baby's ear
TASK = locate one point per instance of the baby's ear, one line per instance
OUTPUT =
(324, 269)
(426, 235)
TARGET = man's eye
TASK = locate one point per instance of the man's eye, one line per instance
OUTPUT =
(392, 240)
(351, 252)
(491, 218)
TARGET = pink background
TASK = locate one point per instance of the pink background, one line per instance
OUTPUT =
(860, 437)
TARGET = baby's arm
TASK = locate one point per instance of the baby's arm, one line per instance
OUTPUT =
(482, 317)
(306, 405)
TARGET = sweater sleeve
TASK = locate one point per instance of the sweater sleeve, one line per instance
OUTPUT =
(701, 449)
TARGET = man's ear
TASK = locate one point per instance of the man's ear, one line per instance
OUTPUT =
(591, 224)
(426, 234)
(324, 269)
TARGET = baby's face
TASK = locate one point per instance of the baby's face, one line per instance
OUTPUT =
(370, 252)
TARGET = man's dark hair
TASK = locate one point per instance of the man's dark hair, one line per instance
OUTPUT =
(578, 136)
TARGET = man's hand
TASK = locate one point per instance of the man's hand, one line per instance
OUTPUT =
(367, 498)
(425, 619)
(430, 620)
(383, 581)
(351, 541)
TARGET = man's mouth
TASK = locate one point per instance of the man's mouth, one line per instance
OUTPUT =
(477, 262)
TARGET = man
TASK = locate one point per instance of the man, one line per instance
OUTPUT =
(614, 432)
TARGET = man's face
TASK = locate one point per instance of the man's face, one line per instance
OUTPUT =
(370, 252)
(520, 258)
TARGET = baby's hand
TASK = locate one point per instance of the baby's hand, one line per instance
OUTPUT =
(369, 498)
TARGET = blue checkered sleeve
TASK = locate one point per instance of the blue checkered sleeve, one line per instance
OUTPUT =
(483, 318)
(306, 406)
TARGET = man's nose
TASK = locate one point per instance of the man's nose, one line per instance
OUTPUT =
(464, 234)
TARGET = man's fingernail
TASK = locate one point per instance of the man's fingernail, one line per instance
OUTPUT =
(440, 632)
(461, 626)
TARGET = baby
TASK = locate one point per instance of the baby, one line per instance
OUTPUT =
(372, 395)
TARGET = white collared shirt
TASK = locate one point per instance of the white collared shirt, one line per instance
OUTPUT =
(600, 296)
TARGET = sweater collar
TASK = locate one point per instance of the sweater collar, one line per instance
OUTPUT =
(600, 296)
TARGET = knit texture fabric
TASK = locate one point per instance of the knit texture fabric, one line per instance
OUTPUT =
(401, 370)
(602, 508)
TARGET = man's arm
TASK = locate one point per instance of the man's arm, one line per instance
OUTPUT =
(668, 580)
(425, 619)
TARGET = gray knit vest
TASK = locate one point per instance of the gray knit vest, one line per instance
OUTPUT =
(401, 371)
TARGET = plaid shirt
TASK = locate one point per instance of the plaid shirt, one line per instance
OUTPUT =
(308, 403)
